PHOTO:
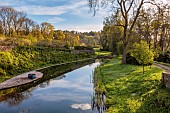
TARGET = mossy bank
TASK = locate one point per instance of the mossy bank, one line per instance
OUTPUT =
(127, 90)
(22, 59)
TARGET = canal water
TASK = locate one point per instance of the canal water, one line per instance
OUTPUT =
(71, 92)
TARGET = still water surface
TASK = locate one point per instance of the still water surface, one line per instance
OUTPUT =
(69, 93)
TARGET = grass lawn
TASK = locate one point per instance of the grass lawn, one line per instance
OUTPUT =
(98, 52)
(96, 49)
(103, 53)
(128, 90)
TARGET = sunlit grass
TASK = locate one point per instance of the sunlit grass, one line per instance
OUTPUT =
(128, 90)
(96, 49)
(104, 53)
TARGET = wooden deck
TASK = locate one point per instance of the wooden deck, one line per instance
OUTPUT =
(20, 80)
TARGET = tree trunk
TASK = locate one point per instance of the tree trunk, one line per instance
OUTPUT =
(143, 69)
(124, 53)
(155, 41)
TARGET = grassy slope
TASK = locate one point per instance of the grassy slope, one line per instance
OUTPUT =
(128, 90)
(23, 59)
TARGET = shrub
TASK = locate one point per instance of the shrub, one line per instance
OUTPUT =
(131, 60)
(27, 58)
(2, 72)
(164, 57)
(143, 54)
(82, 48)
(6, 60)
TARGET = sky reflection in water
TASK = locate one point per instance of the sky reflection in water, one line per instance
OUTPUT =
(71, 94)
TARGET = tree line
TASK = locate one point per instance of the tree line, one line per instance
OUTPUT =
(17, 29)
(133, 21)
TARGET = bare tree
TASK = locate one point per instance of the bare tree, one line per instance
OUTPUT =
(17, 20)
(130, 10)
(47, 30)
(27, 25)
(163, 16)
(5, 15)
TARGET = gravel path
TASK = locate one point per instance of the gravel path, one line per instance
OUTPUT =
(166, 68)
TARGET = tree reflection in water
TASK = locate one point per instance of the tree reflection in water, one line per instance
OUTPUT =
(14, 99)
(44, 84)
(15, 96)
(98, 103)
(99, 97)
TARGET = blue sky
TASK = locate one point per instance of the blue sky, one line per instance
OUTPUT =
(63, 14)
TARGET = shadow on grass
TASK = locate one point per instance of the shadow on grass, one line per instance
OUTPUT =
(157, 101)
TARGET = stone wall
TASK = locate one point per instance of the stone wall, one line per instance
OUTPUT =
(83, 51)
(6, 48)
(166, 79)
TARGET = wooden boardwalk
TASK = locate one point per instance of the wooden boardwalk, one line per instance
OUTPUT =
(20, 80)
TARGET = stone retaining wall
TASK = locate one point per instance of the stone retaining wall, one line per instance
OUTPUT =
(166, 79)
(6, 48)
(83, 51)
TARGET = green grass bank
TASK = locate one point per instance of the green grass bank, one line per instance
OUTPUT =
(23, 59)
(127, 90)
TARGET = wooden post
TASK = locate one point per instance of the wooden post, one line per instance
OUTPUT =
(162, 78)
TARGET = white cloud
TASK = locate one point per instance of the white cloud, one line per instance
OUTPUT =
(162, 1)
(52, 14)
(60, 96)
(79, 8)
(69, 85)
(48, 10)
(55, 20)
(41, 10)
(168, 1)
(76, 90)
(82, 28)
(4, 3)
(81, 106)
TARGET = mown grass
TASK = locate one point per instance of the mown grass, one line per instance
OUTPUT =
(96, 49)
(98, 52)
(128, 90)
(102, 53)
